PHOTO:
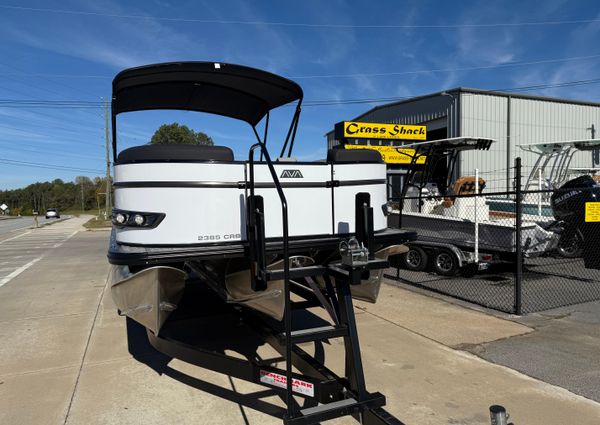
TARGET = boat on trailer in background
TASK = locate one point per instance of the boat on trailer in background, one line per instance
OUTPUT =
(249, 233)
(453, 222)
(552, 190)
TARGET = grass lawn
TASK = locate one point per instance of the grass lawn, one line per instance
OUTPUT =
(98, 223)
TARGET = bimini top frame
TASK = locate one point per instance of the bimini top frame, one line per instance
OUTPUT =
(442, 149)
(233, 91)
(557, 157)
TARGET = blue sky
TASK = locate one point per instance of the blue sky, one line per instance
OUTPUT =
(50, 51)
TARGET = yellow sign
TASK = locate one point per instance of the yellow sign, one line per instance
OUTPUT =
(392, 154)
(370, 130)
(592, 212)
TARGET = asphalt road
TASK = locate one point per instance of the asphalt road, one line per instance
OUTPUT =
(12, 224)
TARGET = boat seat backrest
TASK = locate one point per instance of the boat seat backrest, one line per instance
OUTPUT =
(466, 185)
(463, 186)
(352, 156)
(174, 153)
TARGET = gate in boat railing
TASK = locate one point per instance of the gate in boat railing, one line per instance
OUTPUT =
(515, 253)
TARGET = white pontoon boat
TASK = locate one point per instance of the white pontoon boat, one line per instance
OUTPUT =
(183, 207)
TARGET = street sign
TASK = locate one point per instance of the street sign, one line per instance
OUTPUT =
(3, 207)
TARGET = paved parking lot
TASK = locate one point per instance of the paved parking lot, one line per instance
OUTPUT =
(64, 358)
(548, 282)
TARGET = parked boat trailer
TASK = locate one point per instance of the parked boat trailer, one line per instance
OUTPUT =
(326, 395)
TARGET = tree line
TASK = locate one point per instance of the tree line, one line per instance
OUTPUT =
(83, 192)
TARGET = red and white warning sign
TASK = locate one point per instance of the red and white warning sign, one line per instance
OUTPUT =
(277, 380)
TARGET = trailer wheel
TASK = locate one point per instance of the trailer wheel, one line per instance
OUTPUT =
(445, 263)
(415, 259)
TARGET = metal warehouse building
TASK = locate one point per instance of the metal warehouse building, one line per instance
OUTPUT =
(511, 119)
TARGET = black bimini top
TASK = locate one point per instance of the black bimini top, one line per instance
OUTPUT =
(230, 90)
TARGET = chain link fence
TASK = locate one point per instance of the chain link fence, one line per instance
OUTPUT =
(514, 251)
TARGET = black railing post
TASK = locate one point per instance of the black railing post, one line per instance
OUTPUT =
(518, 240)
(287, 313)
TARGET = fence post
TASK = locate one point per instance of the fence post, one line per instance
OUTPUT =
(518, 241)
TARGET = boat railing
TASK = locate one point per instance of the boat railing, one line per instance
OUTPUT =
(258, 213)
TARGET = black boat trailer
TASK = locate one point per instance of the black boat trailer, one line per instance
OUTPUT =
(326, 395)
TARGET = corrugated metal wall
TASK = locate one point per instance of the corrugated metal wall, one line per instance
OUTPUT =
(485, 116)
(540, 121)
(531, 121)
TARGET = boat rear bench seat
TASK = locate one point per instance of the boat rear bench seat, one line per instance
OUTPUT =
(174, 153)
(203, 153)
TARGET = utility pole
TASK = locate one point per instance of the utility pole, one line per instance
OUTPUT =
(82, 204)
(108, 211)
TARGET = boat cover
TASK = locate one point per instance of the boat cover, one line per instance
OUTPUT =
(230, 90)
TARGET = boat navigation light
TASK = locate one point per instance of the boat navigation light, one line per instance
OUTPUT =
(137, 219)
(120, 218)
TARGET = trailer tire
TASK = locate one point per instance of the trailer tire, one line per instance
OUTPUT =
(445, 263)
(415, 259)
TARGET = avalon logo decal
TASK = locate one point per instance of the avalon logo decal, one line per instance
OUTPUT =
(291, 174)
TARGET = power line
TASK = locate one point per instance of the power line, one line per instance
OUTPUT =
(393, 99)
(48, 166)
(428, 71)
(304, 24)
(35, 149)
(54, 104)
(375, 74)
(96, 104)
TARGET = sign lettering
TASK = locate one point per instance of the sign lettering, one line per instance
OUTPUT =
(592, 212)
(369, 130)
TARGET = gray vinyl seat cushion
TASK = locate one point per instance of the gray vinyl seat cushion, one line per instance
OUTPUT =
(174, 153)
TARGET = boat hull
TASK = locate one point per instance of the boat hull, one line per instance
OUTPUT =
(493, 236)
(148, 296)
(203, 204)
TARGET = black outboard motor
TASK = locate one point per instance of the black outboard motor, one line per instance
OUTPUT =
(568, 207)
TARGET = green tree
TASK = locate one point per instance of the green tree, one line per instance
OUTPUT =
(179, 134)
